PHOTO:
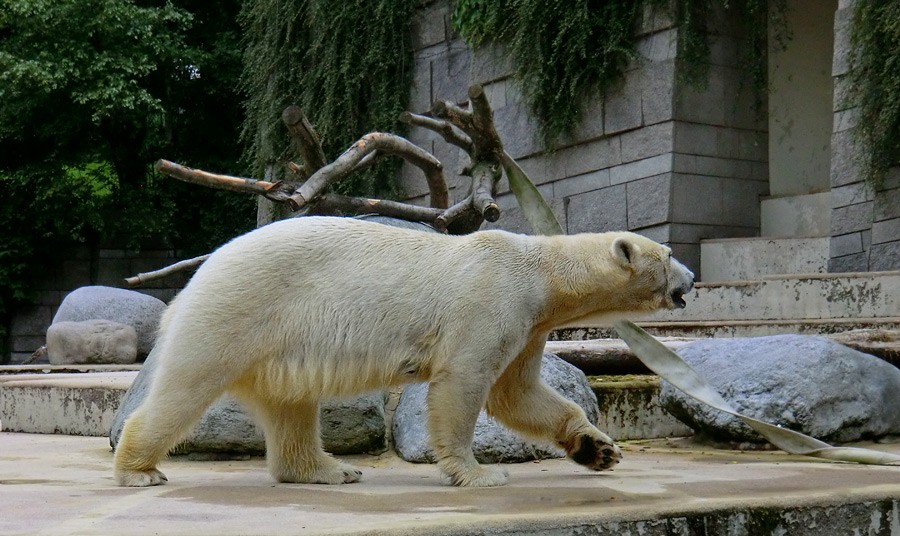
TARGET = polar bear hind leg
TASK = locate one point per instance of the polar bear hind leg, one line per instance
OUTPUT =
(523, 402)
(176, 401)
(293, 442)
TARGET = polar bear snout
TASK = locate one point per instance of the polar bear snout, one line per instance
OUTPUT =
(681, 281)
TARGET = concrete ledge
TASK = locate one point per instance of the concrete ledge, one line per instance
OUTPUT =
(736, 328)
(86, 404)
(732, 259)
(63, 485)
(791, 298)
(75, 404)
(629, 408)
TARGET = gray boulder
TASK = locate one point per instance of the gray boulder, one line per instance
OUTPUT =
(128, 307)
(809, 384)
(348, 427)
(493, 441)
(91, 342)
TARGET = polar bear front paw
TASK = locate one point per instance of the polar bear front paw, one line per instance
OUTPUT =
(140, 479)
(596, 454)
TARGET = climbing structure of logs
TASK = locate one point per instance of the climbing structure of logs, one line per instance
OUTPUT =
(471, 130)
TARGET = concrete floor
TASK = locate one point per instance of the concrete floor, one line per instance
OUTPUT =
(61, 485)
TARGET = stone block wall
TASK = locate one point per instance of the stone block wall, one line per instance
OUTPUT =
(81, 267)
(652, 156)
(865, 220)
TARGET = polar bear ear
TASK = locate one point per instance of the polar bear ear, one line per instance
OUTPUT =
(624, 250)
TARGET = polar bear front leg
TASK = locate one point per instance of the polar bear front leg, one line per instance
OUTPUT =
(522, 401)
(454, 403)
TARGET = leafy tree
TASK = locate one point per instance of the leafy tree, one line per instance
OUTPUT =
(348, 67)
(91, 93)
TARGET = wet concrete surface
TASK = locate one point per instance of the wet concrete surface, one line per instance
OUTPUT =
(54, 484)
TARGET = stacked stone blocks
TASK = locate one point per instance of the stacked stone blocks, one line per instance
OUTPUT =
(865, 219)
(653, 155)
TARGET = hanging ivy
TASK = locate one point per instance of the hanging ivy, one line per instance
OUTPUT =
(875, 84)
(564, 50)
(348, 67)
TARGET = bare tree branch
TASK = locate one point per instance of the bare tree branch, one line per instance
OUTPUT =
(450, 133)
(472, 131)
(484, 188)
(212, 180)
(146, 277)
(347, 162)
(307, 140)
(442, 222)
(277, 191)
(359, 205)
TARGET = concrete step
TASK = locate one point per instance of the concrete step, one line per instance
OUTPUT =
(737, 259)
(803, 297)
(736, 328)
(804, 304)
(73, 403)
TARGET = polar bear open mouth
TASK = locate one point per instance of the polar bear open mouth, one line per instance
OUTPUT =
(677, 297)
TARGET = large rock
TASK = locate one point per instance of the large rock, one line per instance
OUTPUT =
(808, 384)
(493, 442)
(97, 342)
(128, 307)
(348, 426)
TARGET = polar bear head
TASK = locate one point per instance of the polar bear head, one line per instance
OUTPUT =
(653, 271)
(603, 277)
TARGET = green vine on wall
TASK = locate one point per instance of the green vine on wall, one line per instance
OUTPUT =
(875, 85)
(349, 68)
(565, 50)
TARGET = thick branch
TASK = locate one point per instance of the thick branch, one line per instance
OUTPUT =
(307, 140)
(457, 116)
(331, 203)
(484, 187)
(352, 157)
(478, 124)
(144, 278)
(442, 222)
(450, 133)
(276, 191)
(488, 141)
(212, 180)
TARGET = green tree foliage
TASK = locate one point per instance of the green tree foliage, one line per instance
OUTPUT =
(91, 93)
(875, 84)
(347, 66)
(564, 50)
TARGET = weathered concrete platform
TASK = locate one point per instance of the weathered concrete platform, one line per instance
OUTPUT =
(62, 485)
(85, 401)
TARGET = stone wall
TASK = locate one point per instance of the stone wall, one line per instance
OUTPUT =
(81, 267)
(652, 156)
(865, 220)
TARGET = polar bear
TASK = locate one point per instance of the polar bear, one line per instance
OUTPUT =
(319, 307)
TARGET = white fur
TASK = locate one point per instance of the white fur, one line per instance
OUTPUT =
(316, 307)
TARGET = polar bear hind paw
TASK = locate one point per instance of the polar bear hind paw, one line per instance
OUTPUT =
(338, 473)
(595, 453)
(141, 479)
(484, 476)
